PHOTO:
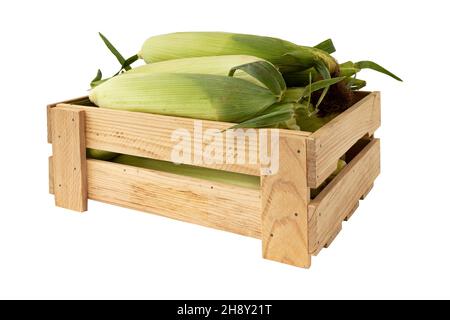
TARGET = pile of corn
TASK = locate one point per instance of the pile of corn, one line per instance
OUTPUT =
(252, 81)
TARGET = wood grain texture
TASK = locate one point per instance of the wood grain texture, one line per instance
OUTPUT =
(329, 143)
(69, 159)
(352, 212)
(50, 176)
(338, 199)
(333, 236)
(149, 135)
(366, 193)
(80, 100)
(202, 202)
(285, 197)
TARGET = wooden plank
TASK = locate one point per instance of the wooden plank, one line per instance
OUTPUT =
(81, 100)
(50, 176)
(366, 193)
(352, 212)
(150, 136)
(338, 199)
(69, 159)
(329, 143)
(215, 205)
(285, 197)
(336, 231)
(334, 234)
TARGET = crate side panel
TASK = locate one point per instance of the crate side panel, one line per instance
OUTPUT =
(210, 204)
(154, 136)
(339, 198)
(329, 143)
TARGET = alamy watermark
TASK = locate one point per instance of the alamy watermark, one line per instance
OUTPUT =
(233, 146)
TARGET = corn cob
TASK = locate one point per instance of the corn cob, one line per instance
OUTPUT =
(199, 96)
(215, 65)
(100, 154)
(285, 54)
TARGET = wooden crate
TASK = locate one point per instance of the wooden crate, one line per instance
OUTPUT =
(292, 226)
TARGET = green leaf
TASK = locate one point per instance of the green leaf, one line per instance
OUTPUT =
(325, 73)
(279, 114)
(293, 94)
(97, 78)
(114, 51)
(322, 84)
(374, 66)
(130, 61)
(303, 58)
(99, 82)
(326, 46)
(127, 64)
(356, 84)
(348, 64)
(266, 73)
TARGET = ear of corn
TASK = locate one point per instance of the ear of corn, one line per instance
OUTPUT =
(201, 44)
(100, 154)
(276, 116)
(215, 65)
(285, 54)
(232, 178)
(309, 120)
(200, 96)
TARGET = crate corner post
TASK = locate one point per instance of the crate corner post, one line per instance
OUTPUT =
(68, 165)
(285, 197)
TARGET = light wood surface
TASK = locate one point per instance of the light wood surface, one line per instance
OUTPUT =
(285, 199)
(149, 135)
(202, 202)
(366, 193)
(49, 108)
(333, 236)
(69, 159)
(352, 212)
(50, 176)
(329, 143)
(338, 199)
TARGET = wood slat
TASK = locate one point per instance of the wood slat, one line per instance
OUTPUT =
(50, 176)
(215, 205)
(334, 234)
(329, 143)
(367, 192)
(352, 212)
(69, 159)
(150, 135)
(285, 197)
(338, 199)
(49, 108)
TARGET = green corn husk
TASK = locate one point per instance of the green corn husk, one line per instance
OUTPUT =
(292, 112)
(215, 65)
(284, 54)
(237, 179)
(308, 120)
(199, 96)
(100, 154)
(347, 69)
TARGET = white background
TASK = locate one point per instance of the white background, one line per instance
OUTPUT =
(396, 246)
